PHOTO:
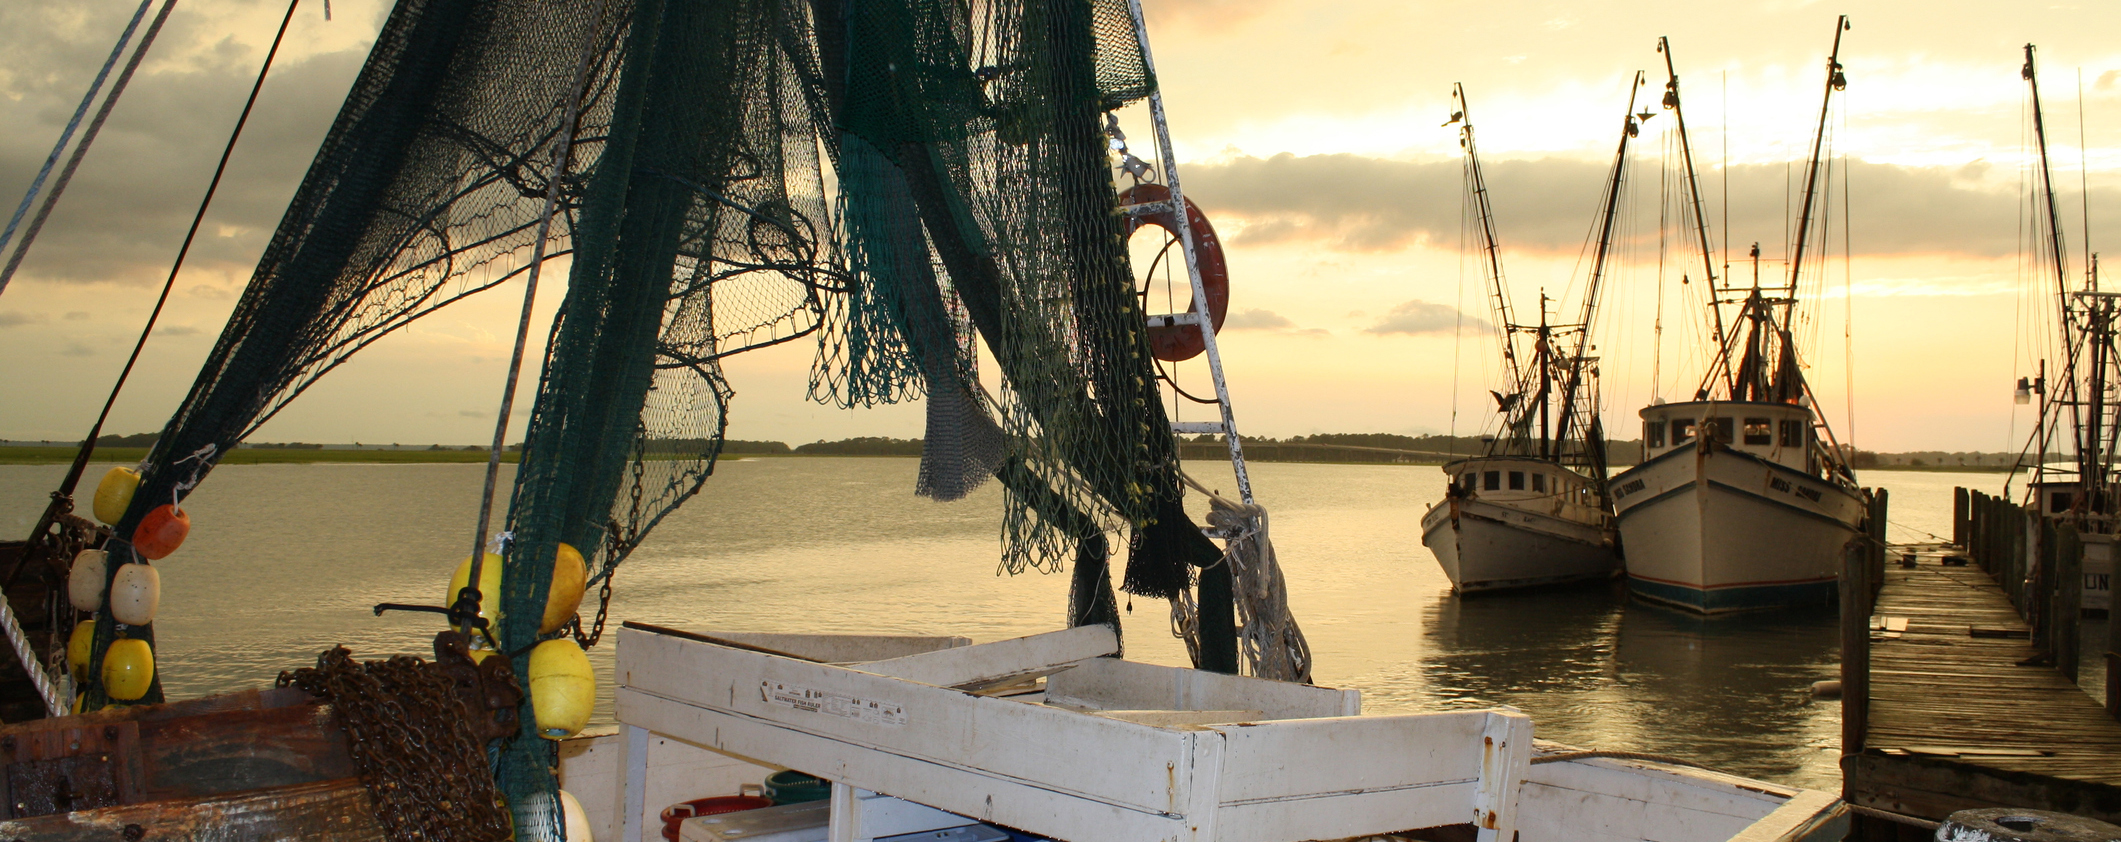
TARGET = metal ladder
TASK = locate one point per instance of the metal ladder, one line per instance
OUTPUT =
(1167, 163)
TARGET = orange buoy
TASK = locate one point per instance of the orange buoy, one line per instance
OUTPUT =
(1173, 343)
(162, 531)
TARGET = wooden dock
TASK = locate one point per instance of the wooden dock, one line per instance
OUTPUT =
(1949, 703)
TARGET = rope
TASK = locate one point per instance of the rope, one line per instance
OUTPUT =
(54, 700)
(1273, 646)
(72, 163)
(37, 184)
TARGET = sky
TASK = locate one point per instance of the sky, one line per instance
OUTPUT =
(1312, 134)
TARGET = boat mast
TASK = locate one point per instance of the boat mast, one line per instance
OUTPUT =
(1631, 125)
(1693, 185)
(1834, 82)
(2086, 440)
(1498, 289)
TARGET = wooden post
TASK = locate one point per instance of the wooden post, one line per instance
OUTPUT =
(1878, 521)
(2065, 613)
(1855, 645)
(1959, 515)
(1217, 606)
(2040, 587)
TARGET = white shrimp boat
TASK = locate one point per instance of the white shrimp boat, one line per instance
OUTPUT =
(1533, 510)
(922, 734)
(1730, 511)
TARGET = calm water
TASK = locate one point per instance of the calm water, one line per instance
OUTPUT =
(285, 560)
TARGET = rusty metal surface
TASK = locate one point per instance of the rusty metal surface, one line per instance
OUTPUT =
(66, 768)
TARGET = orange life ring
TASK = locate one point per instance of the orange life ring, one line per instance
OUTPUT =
(1173, 343)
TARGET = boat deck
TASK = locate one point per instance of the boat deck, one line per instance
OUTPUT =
(1960, 711)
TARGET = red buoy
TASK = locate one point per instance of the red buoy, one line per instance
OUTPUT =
(162, 531)
(1173, 343)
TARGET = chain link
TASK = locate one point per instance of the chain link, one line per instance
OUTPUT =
(412, 737)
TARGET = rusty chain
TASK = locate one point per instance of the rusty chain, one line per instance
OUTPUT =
(416, 742)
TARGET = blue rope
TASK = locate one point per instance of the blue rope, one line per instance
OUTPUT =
(80, 111)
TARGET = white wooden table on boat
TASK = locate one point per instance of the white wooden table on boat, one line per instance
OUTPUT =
(1114, 751)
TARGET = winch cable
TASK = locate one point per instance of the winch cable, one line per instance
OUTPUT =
(36, 185)
(95, 126)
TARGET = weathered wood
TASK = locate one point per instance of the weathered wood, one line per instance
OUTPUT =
(1959, 504)
(1955, 721)
(1855, 646)
(2065, 605)
(1113, 684)
(329, 811)
(1002, 661)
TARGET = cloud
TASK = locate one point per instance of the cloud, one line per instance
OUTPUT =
(1257, 320)
(126, 209)
(1369, 204)
(77, 349)
(17, 318)
(178, 330)
(1418, 317)
(76, 316)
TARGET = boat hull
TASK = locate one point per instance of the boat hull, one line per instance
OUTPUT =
(1485, 546)
(2098, 593)
(1712, 530)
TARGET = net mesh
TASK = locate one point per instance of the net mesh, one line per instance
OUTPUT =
(912, 184)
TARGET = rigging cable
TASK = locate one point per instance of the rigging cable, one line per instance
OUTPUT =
(469, 599)
(64, 496)
(95, 126)
(37, 184)
(88, 446)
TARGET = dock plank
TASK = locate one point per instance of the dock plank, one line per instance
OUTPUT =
(1959, 717)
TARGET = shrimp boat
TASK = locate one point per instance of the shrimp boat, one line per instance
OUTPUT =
(2078, 406)
(1743, 499)
(1533, 511)
(682, 163)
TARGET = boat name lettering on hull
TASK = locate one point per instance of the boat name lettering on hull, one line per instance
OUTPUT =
(796, 697)
(1627, 488)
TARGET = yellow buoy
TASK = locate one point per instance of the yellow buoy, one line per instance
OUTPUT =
(489, 590)
(134, 594)
(563, 691)
(79, 647)
(84, 583)
(128, 669)
(569, 576)
(115, 494)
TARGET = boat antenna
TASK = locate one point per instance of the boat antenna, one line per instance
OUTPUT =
(1693, 184)
(1834, 82)
(2059, 261)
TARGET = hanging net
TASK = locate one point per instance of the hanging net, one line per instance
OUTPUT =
(913, 185)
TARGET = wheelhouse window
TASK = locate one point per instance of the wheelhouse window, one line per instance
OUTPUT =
(1682, 430)
(1467, 479)
(1653, 434)
(1516, 480)
(1539, 483)
(1491, 481)
(1759, 431)
(1792, 433)
(2058, 501)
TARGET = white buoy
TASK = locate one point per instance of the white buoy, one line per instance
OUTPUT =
(134, 594)
(577, 821)
(84, 583)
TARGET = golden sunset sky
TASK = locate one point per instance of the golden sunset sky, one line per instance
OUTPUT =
(1310, 132)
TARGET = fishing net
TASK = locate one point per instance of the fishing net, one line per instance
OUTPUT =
(915, 184)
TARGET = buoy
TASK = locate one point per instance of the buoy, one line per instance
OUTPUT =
(489, 590)
(115, 494)
(576, 821)
(162, 531)
(1174, 343)
(563, 690)
(128, 669)
(84, 583)
(79, 647)
(134, 593)
(569, 576)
